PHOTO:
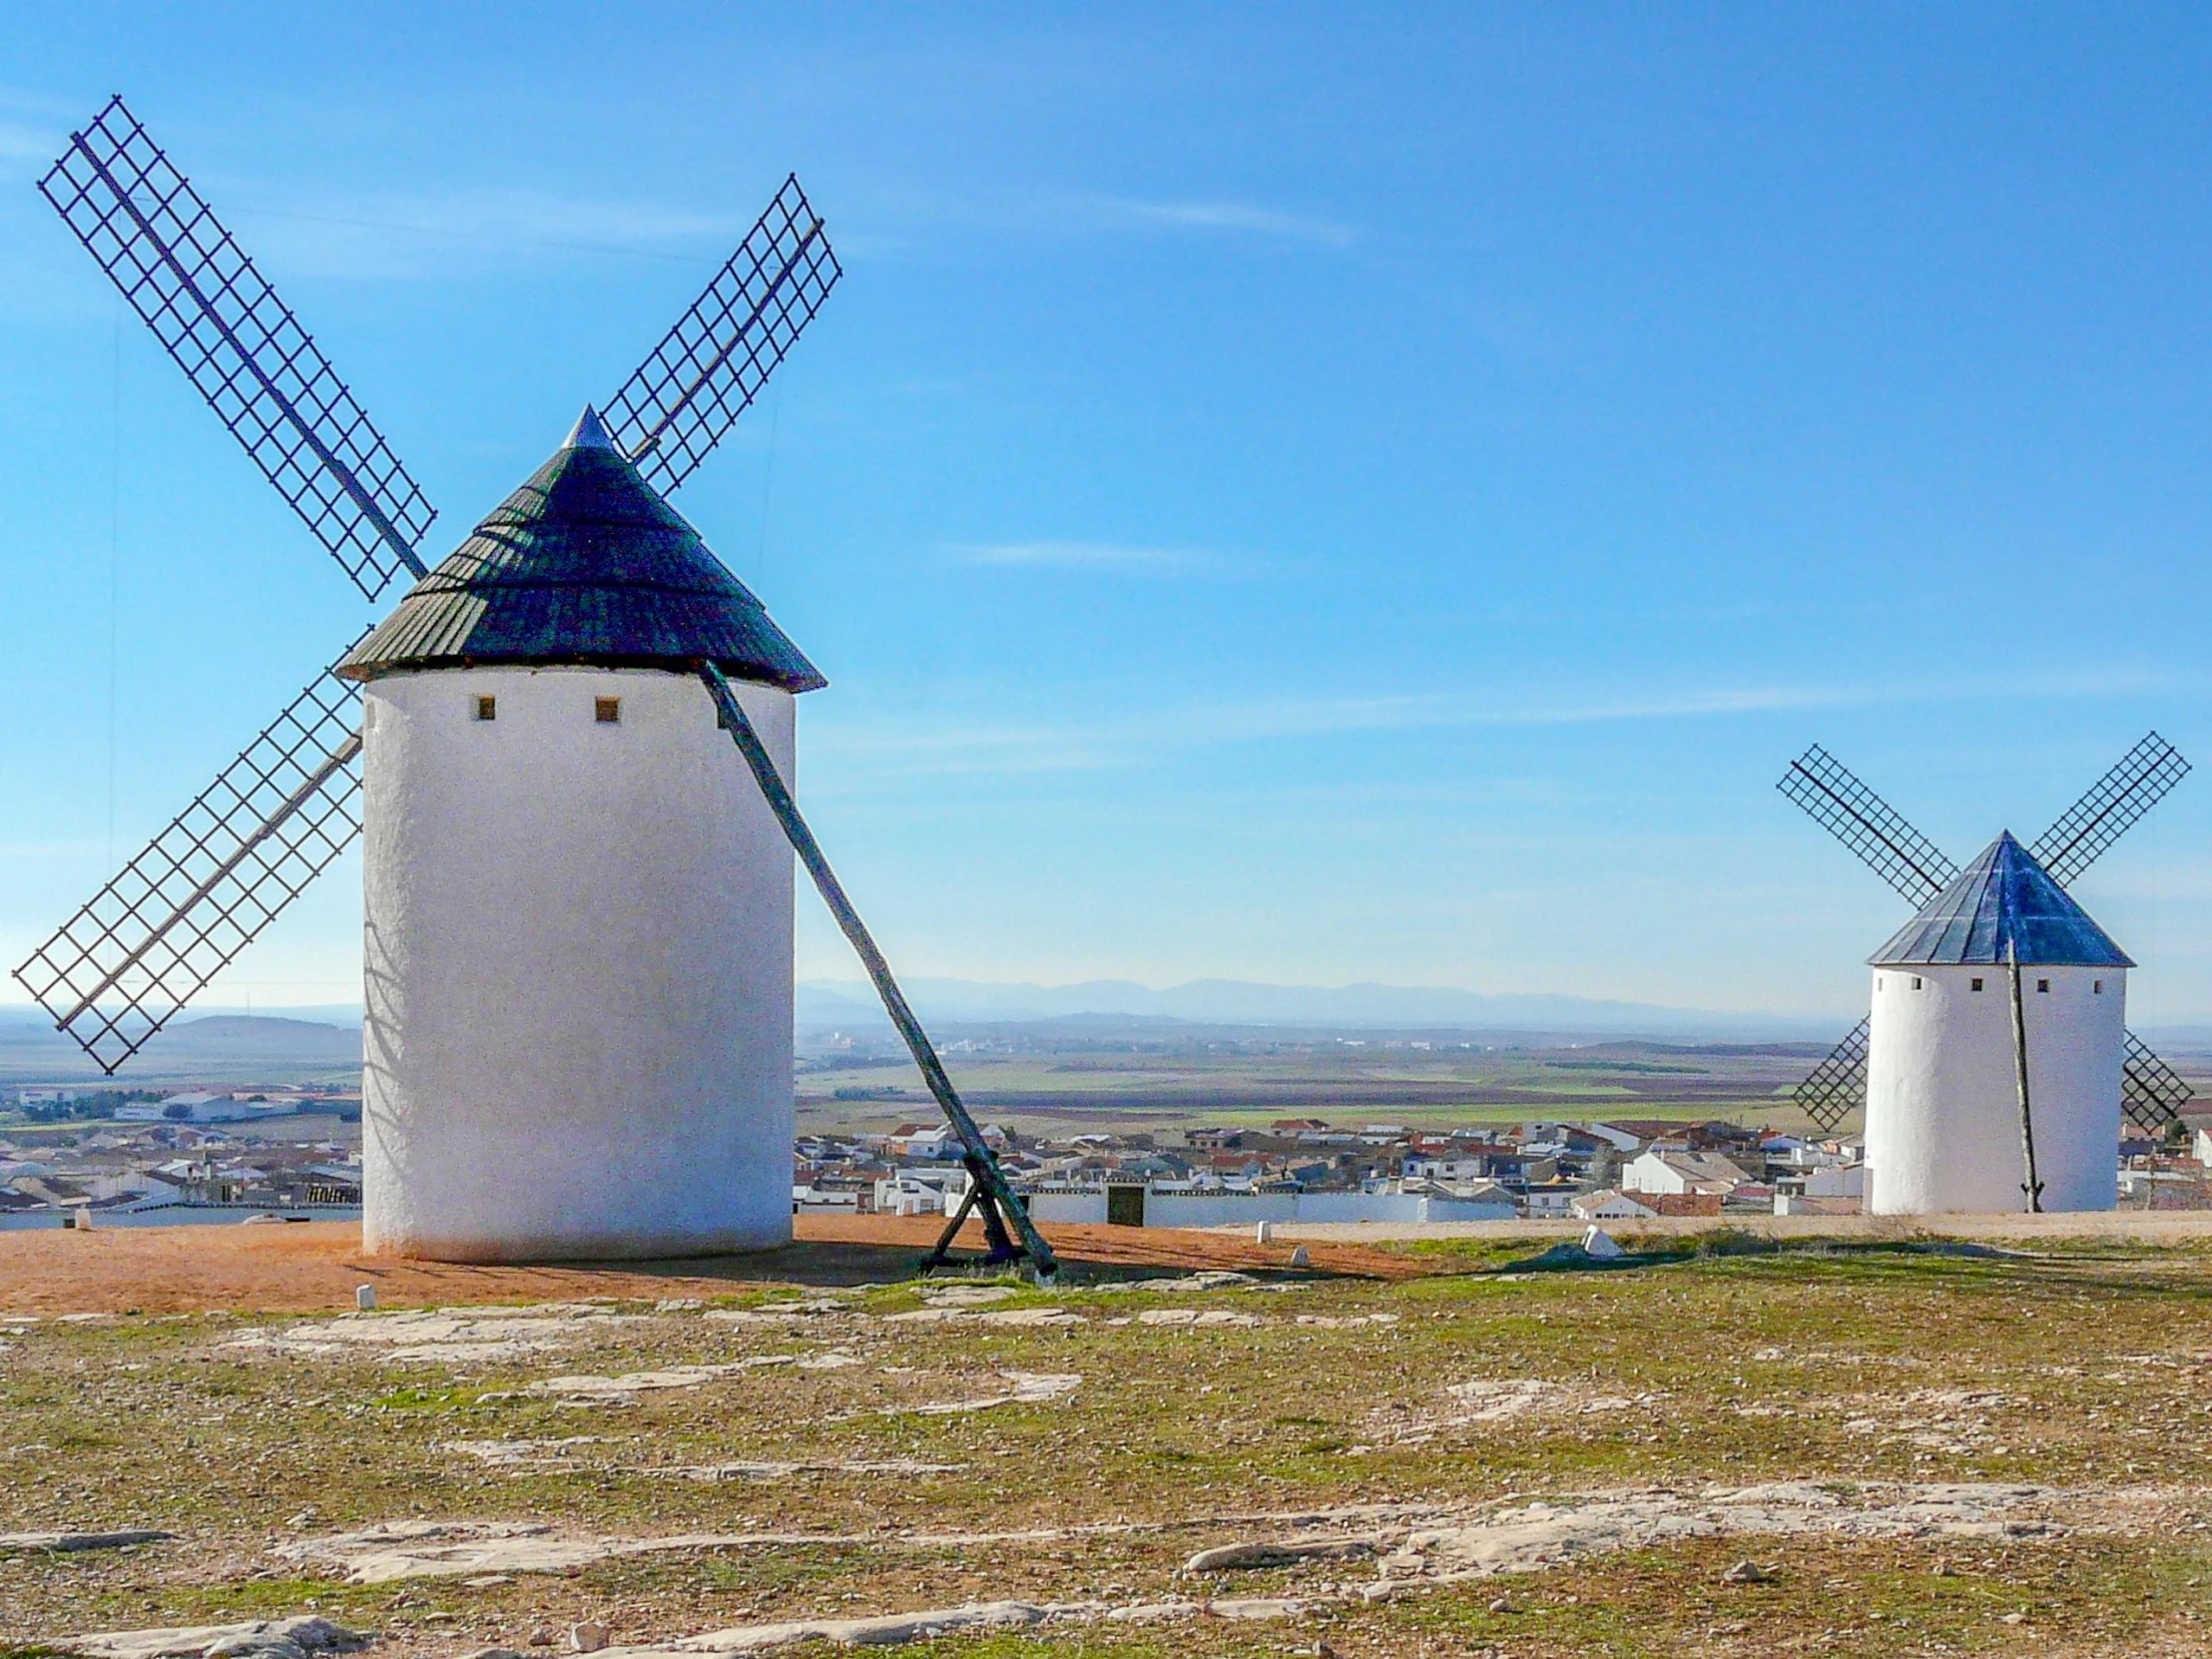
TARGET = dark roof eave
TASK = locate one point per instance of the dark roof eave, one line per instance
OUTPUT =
(734, 667)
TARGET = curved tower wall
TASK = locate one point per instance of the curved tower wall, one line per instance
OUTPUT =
(1943, 1099)
(578, 969)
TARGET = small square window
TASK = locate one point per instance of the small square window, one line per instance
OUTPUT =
(607, 709)
(2043, 984)
(1976, 985)
(2096, 987)
(487, 708)
(1916, 981)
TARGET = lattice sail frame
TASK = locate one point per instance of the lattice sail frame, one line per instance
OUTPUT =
(688, 392)
(1867, 824)
(285, 809)
(1837, 1087)
(2109, 808)
(240, 346)
(2152, 1093)
(203, 888)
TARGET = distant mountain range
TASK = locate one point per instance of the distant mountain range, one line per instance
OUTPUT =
(305, 1042)
(1334, 1007)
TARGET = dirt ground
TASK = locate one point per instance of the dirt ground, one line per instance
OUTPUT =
(1848, 1446)
(315, 1267)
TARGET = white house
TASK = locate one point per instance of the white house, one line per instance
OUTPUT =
(1681, 1172)
(195, 1107)
(921, 1192)
(1837, 1181)
(1610, 1206)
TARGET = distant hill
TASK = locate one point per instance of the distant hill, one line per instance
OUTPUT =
(234, 1047)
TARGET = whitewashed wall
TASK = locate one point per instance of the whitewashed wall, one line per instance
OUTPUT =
(1238, 1209)
(579, 969)
(1942, 1100)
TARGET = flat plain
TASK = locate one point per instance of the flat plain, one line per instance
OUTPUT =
(1858, 1445)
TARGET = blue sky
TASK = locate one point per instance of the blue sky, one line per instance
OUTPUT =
(1316, 495)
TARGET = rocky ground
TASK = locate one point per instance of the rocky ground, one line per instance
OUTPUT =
(1729, 1446)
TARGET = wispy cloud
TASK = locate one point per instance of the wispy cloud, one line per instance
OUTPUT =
(1140, 735)
(27, 149)
(1122, 211)
(1084, 555)
(424, 236)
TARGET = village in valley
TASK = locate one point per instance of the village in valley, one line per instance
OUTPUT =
(95, 1155)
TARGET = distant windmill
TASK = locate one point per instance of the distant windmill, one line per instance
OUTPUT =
(579, 1004)
(1979, 1096)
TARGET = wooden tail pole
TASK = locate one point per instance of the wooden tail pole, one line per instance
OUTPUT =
(987, 1188)
(2031, 1186)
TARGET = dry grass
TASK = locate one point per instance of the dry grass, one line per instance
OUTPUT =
(2082, 1368)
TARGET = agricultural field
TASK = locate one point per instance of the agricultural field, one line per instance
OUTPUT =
(1872, 1443)
(1165, 1085)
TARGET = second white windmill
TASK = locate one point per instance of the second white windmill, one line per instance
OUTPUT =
(1996, 1064)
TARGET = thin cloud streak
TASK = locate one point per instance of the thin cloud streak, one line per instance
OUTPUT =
(1080, 555)
(1145, 736)
(474, 229)
(1241, 216)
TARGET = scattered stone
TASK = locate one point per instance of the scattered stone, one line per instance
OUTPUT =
(1747, 1571)
(425, 1334)
(881, 1630)
(1210, 1278)
(587, 1637)
(593, 1391)
(967, 1295)
(365, 1298)
(1211, 1316)
(1279, 1553)
(1503, 1604)
(261, 1639)
(69, 1542)
(492, 1653)
(771, 1470)
(1029, 1388)
(1347, 1322)
(1301, 1256)
(487, 1581)
(2015, 1618)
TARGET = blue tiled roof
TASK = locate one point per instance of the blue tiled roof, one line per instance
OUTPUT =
(2004, 898)
(584, 564)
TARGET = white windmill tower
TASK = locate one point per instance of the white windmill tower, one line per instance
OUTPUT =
(1996, 1064)
(579, 908)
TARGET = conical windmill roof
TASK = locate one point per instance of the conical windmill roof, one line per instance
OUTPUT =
(584, 564)
(2004, 899)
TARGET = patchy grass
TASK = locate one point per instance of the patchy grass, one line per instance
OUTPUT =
(2083, 1366)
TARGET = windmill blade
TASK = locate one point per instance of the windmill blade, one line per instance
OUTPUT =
(200, 892)
(2152, 1093)
(240, 346)
(1837, 1087)
(686, 396)
(1867, 824)
(2109, 809)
